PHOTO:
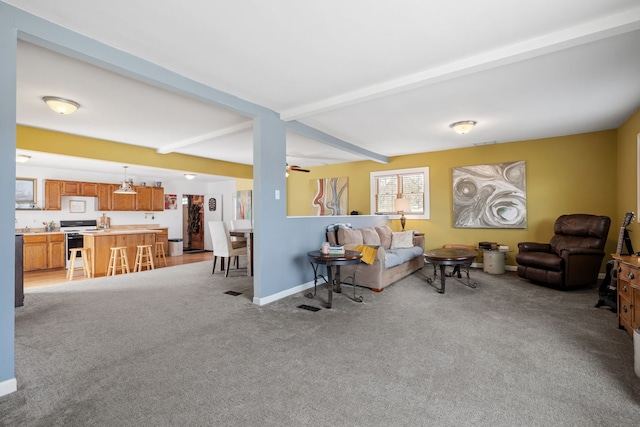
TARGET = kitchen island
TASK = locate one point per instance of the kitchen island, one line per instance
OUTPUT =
(100, 243)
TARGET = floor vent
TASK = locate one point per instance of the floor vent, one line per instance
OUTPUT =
(308, 307)
(233, 293)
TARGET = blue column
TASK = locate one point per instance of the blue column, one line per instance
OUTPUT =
(8, 52)
(270, 204)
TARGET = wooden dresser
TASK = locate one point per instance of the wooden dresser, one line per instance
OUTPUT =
(628, 269)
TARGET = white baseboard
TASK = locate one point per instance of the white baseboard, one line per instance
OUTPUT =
(480, 265)
(8, 386)
(283, 294)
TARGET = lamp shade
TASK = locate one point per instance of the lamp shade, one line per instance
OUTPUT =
(189, 175)
(125, 188)
(403, 205)
(61, 105)
(463, 127)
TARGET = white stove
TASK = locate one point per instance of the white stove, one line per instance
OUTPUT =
(73, 238)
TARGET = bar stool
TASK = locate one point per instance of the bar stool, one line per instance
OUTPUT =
(160, 252)
(118, 260)
(144, 258)
(85, 267)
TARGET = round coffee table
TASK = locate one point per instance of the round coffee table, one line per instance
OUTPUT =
(449, 256)
(317, 258)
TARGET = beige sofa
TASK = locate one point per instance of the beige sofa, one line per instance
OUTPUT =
(390, 265)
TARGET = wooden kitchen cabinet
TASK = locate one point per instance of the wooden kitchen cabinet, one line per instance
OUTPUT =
(149, 199)
(157, 200)
(43, 251)
(143, 198)
(56, 256)
(71, 188)
(104, 193)
(52, 195)
(34, 252)
(89, 189)
(123, 202)
(628, 269)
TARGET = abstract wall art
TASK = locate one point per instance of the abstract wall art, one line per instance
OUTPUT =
(243, 205)
(330, 196)
(490, 196)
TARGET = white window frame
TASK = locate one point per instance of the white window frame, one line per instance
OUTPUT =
(427, 195)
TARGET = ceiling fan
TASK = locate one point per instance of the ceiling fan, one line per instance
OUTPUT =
(294, 168)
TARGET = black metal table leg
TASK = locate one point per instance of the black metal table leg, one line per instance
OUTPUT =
(315, 280)
(442, 278)
(330, 286)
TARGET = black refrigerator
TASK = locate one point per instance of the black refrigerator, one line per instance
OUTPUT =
(19, 278)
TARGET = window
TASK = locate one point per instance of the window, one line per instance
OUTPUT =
(412, 184)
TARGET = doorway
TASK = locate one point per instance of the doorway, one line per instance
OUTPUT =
(193, 222)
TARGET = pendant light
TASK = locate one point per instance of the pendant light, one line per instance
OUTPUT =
(125, 188)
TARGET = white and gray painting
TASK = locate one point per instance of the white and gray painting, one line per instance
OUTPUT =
(490, 196)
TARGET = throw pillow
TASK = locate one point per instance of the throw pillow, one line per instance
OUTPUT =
(384, 232)
(348, 236)
(402, 239)
(370, 236)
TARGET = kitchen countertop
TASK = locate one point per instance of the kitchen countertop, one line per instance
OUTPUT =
(30, 232)
(36, 231)
(112, 232)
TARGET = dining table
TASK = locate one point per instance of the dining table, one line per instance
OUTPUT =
(247, 233)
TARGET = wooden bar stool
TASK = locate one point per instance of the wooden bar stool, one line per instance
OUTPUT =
(144, 258)
(118, 260)
(160, 252)
(85, 267)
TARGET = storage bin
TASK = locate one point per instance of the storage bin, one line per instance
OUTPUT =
(175, 247)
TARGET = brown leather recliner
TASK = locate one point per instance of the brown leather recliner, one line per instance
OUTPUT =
(573, 256)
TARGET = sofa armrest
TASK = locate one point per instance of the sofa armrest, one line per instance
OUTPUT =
(534, 247)
(418, 240)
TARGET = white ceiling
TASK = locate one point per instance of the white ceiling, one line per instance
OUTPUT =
(388, 77)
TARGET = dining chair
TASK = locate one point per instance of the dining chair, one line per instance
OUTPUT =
(223, 247)
(239, 224)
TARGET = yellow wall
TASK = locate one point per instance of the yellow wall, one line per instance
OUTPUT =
(244, 184)
(627, 189)
(570, 174)
(35, 139)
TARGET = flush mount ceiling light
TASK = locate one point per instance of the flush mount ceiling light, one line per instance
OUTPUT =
(125, 188)
(189, 175)
(61, 105)
(22, 158)
(463, 126)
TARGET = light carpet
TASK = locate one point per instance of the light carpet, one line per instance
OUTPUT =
(169, 347)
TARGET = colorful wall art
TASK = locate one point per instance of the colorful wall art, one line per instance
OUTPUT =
(330, 196)
(243, 205)
(170, 201)
(490, 196)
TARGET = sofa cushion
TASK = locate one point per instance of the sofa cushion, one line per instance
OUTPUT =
(402, 239)
(370, 236)
(348, 236)
(394, 257)
(385, 236)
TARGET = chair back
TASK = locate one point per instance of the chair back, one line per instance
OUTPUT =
(580, 231)
(220, 238)
(241, 224)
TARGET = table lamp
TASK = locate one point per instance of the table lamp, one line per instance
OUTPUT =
(401, 206)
